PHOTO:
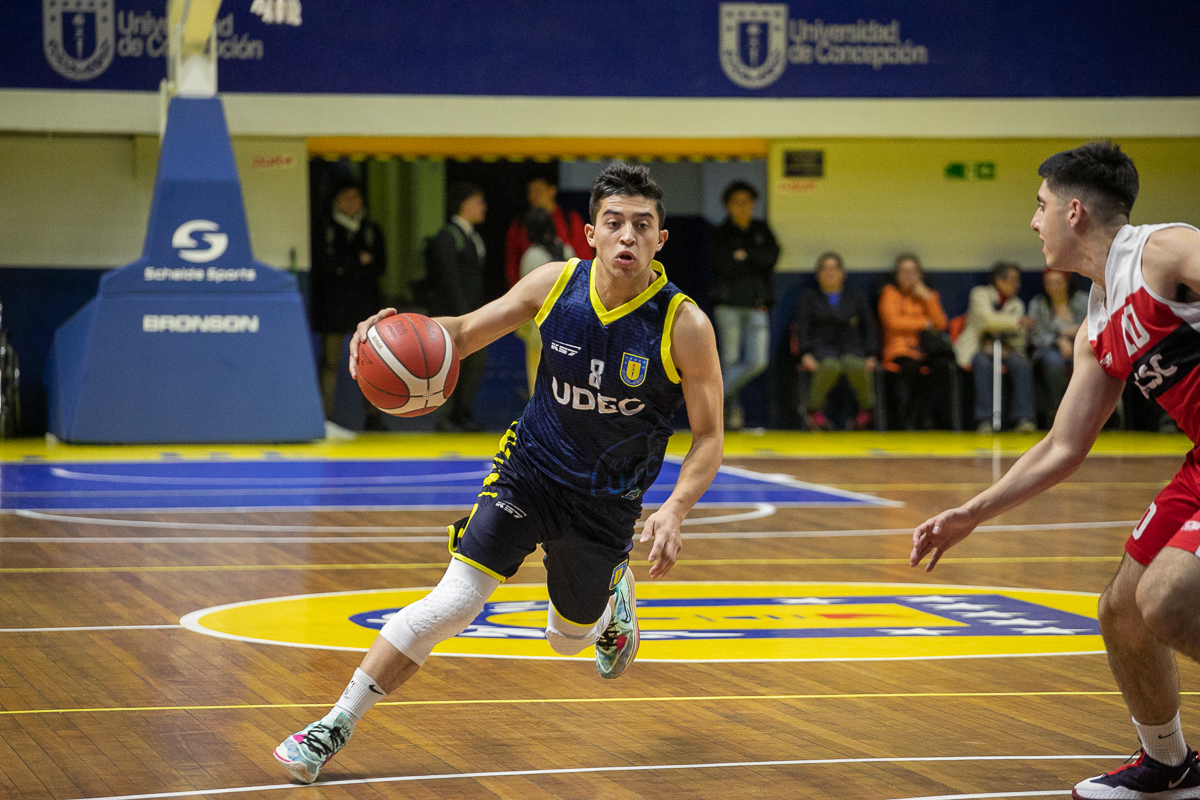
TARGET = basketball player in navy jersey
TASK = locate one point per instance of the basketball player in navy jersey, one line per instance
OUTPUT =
(1143, 327)
(623, 349)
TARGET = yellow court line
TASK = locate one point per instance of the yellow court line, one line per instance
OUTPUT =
(593, 700)
(769, 444)
(715, 562)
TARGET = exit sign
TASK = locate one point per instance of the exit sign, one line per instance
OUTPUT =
(971, 171)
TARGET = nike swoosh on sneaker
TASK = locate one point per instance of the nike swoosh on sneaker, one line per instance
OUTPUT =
(1173, 784)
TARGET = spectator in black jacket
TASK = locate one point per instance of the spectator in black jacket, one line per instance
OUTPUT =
(455, 273)
(836, 331)
(745, 252)
(348, 259)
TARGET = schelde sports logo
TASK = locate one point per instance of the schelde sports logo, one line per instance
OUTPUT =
(78, 37)
(775, 621)
(215, 243)
(757, 41)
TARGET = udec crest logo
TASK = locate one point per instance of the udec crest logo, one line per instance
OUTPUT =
(78, 37)
(754, 42)
(694, 621)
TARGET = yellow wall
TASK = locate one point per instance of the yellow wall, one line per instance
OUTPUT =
(83, 201)
(879, 197)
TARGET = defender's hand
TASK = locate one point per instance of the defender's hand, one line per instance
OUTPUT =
(939, 534)
(360, 335)
(663, 527)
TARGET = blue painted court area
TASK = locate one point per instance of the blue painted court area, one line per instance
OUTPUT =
(414, 484)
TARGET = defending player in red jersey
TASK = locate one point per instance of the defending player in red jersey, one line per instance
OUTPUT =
(1143, 327)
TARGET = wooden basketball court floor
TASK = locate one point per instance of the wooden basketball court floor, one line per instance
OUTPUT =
(791, 653)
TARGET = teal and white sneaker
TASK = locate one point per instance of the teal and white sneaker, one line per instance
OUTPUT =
(617, 646)
(303, 754)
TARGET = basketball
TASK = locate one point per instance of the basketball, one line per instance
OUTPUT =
(408, 366)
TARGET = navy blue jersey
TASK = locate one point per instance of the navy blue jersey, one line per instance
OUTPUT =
(606, 389)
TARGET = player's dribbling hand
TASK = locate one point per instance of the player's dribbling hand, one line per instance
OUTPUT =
(663, 528)
(939, 534)
(360, 335)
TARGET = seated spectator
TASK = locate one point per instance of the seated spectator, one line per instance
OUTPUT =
(995, 312)
(544, 246)
(836, 332)
(1057, 314)
(914, 343)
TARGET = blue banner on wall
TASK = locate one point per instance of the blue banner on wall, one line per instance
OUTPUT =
(627, 48)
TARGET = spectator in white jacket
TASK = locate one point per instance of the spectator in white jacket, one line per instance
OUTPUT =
(995, 312)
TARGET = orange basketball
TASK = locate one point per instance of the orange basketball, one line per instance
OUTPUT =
(408, 366)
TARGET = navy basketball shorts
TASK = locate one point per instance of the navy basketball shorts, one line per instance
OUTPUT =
(586, 540)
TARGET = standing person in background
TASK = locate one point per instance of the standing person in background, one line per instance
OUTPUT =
(745, 253)
(836, 331)
(456, 273)
(1057, 314)
(542, 192)
(909, 312)
(348, 260)
(995, 312)
(545, 246)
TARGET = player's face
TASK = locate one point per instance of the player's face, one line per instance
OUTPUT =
(626, 234)
(1051, 225)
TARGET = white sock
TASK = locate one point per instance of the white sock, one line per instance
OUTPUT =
(361, 693)
(1163, 743)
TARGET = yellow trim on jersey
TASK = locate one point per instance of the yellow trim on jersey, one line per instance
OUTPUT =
(555, 291)
(607, 316)
(668, 323)
(481, 567)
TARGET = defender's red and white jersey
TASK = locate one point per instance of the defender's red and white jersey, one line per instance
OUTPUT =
(1150, 341)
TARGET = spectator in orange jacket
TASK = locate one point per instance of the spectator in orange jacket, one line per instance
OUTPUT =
(908, 308)
(542, 192)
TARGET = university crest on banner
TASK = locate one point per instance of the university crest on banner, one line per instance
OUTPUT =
(753, 42)
(78, 37)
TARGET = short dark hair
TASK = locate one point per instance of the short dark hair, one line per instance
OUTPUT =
(1001, 269)
(1098, 173)
(826, 256)
(626, 180)
(459, 193)
(547, 176)
(737, 186)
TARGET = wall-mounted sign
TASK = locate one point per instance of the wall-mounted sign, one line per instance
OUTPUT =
(804, 163)
(971, 171)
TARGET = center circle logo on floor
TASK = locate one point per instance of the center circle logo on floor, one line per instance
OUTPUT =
(777, 621)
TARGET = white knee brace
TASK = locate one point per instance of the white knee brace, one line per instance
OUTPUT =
(567, 638)
(444, 612)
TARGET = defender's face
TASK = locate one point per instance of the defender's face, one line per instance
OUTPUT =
(1051, 225)
(626, 234)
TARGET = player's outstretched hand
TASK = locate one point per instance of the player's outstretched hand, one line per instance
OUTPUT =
(663, 527)
(939, 534)
(360, 335)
